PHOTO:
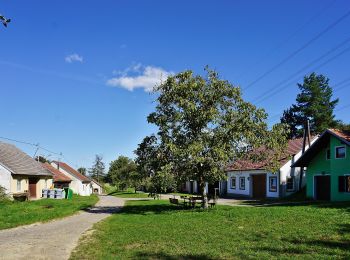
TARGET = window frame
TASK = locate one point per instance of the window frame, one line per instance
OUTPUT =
(242, 187)
(291, 178)
(270, 187)
(19, 185)
(233, 187)
(335, 149)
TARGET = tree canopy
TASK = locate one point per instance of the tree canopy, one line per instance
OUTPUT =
(204, 123)
(313, 103)
(97, 171)
(123, 173)
(82, 170)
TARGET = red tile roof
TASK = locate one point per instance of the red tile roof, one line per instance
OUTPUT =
(57, 175)
(341, 133)
(293, 147)
(74, 172)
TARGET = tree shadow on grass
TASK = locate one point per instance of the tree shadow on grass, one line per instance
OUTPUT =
(147, 209)
(165, 256)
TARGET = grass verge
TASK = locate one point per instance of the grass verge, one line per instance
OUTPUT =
(157, 230)
(13, 214)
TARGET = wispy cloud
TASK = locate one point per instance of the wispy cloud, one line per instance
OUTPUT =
(139, 76)
(74, 58)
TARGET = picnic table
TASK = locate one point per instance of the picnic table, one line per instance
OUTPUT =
(190, 201)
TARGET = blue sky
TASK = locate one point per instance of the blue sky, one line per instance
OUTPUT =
(75, 74)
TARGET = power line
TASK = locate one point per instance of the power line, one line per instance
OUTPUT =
(261, 99)
(304, 46)
(291, 36)
(304, 68)
(28, 143)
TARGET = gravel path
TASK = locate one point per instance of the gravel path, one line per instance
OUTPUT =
(55, 239)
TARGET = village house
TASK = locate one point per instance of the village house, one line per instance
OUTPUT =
(20, 174)
(60, 180)
(96, 187)
(80, 183)
(328, 166)
(251, 179)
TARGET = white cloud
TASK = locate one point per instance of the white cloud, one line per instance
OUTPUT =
(73, 58)
(145, 77)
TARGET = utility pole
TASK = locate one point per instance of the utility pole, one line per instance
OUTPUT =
(306, 136)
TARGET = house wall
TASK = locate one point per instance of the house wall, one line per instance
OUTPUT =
(24, 184)
(44, 182)
(5, 178)
(96, 186)
(319, 165)
(195, 187)
(237, 190)
(78, 187)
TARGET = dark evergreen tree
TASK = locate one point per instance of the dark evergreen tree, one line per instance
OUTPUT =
(313, 103)
(97, 171)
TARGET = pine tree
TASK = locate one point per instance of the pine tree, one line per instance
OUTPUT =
(313, 103)
(97, 171)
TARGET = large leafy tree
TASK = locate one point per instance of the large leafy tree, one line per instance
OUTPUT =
(97, 171)
(122, 173)
(313, 103)
(203, 124)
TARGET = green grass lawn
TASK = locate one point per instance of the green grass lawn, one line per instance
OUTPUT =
(14, 213)
(157, 230)
(129, 193)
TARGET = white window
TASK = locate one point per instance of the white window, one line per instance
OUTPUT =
(19, 186)
(340, 152)
(273, 183)
(233, 183)
(242, 183)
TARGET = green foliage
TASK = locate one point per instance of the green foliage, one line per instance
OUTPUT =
(123, 173)
(158, 230)
(203, 124)
(163, 181)
(82, 170)
(3, 194)
(13, 214)
(313, 103)
(97, 171)
(41, 159)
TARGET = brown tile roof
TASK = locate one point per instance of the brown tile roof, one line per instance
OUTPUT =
(293, 147)
(74, 172)
(340, 133)
(20, 163)
(57, 175)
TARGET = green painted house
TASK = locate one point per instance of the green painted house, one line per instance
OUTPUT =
(328, 166)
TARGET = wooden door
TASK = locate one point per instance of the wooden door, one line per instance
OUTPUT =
(259, 186)
(32, 187)
(323, 187)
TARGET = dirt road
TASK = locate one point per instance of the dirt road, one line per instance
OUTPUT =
(55, 239)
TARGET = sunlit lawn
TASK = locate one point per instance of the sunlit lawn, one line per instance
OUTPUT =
(14, 214)
(157, 230)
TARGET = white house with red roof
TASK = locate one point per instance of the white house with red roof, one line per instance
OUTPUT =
(80, 183)
(252, 179)
(60, 180)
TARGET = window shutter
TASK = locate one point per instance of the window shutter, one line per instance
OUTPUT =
(341, 183)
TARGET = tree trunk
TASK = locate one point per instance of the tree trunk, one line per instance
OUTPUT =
(202, 192)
